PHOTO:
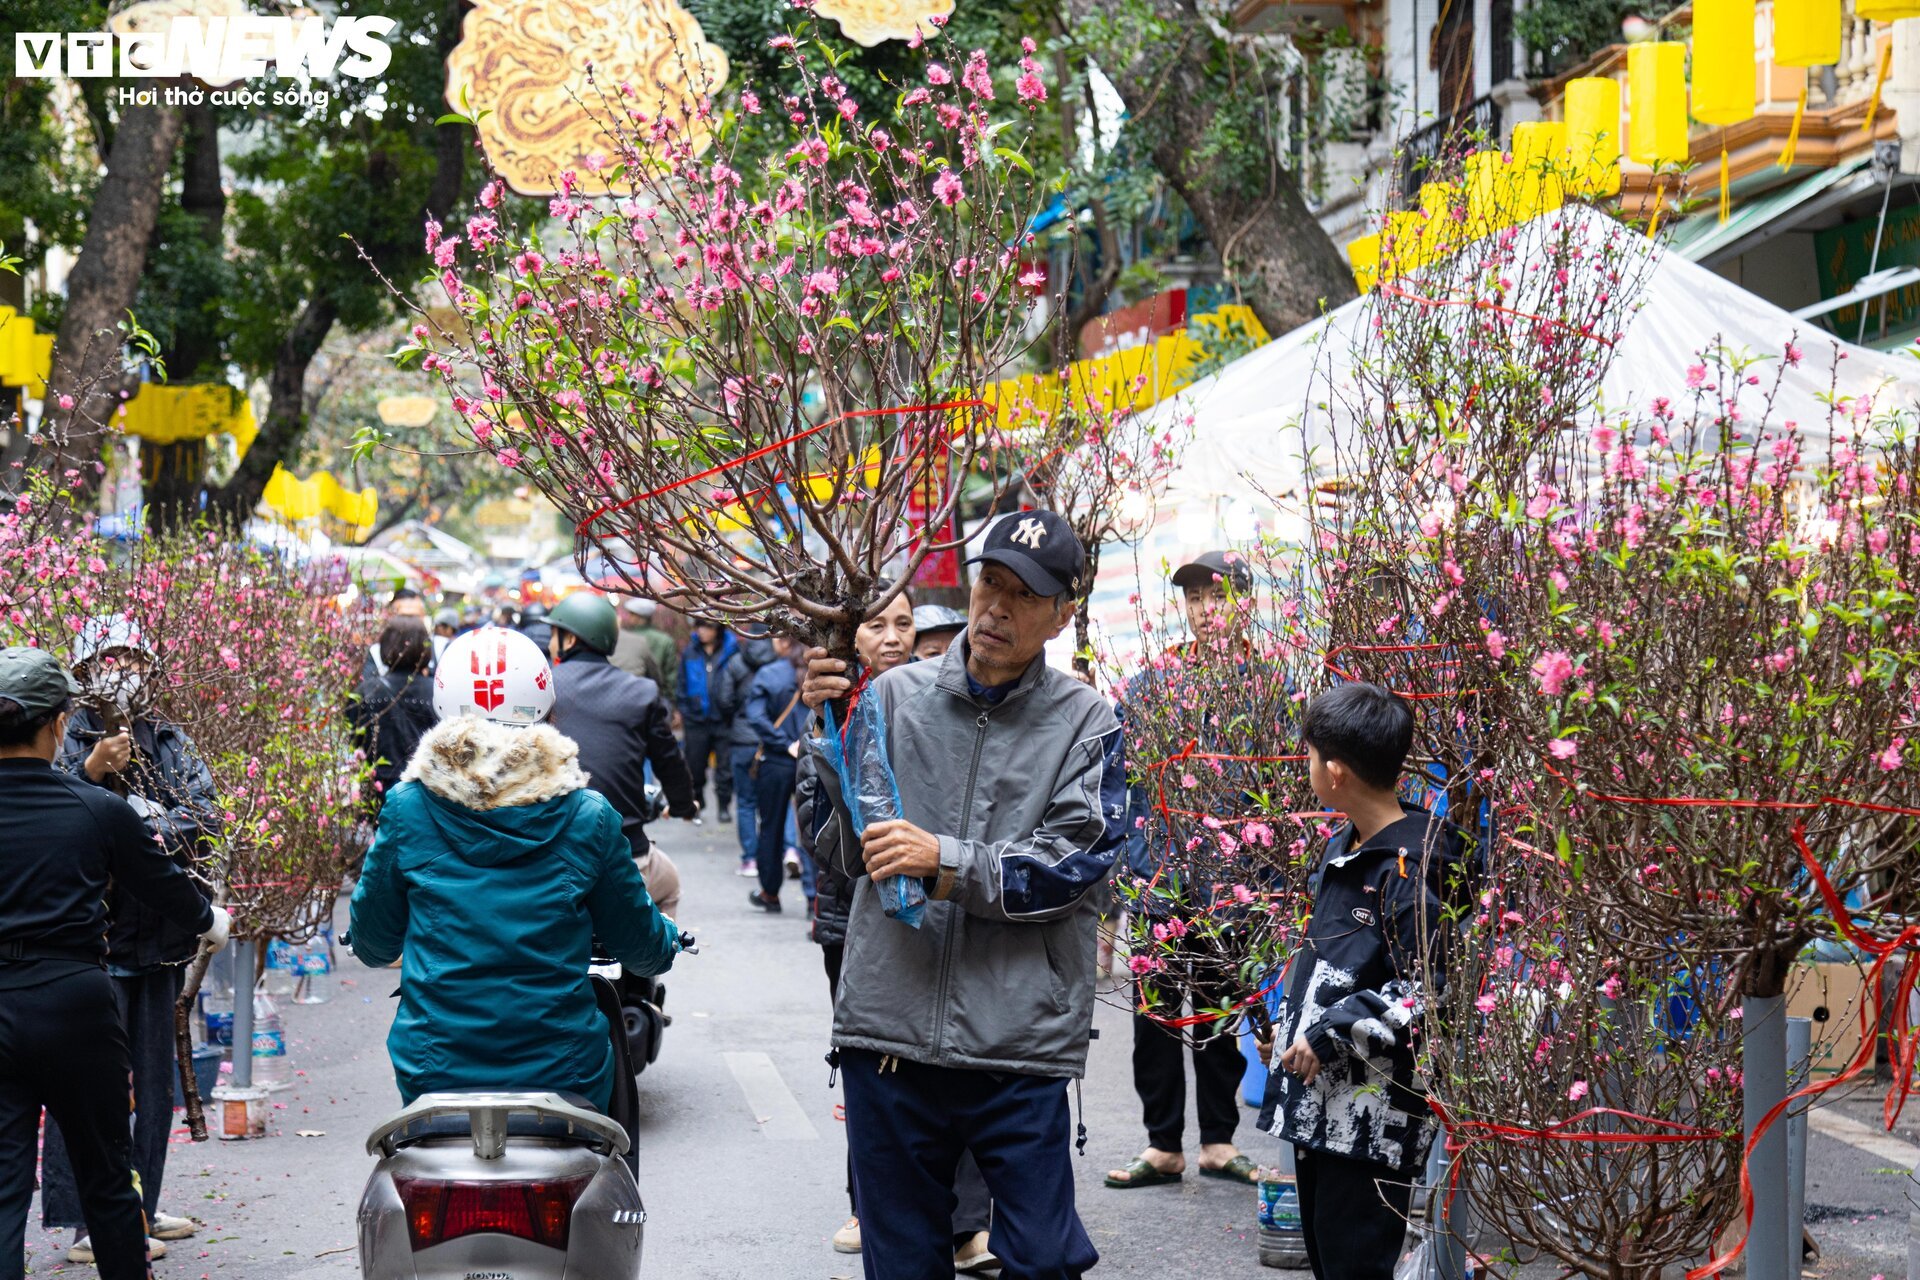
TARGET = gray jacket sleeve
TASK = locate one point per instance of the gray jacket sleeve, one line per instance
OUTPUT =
(1043, 875)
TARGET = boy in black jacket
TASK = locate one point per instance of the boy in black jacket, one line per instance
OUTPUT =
(1359, 1128)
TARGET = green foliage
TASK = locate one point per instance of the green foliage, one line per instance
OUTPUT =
(1567, 32)
(49, 154)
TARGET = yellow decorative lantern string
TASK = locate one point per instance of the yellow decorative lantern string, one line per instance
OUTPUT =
(1879, 84)
(1657, 103)
(1593, 135)
(1792, 148)
(1724, 54)
(1540, 183)
(1806, 33)
(1364, 254)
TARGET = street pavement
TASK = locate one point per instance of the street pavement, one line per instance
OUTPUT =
(743, 1157)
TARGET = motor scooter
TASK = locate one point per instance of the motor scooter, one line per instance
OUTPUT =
(536, 1186)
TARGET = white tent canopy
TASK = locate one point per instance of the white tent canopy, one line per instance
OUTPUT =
(1255, 420)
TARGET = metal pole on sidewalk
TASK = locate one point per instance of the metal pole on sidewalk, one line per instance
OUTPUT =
(242, 1014)
(1763, 1067)
(1799, 1063)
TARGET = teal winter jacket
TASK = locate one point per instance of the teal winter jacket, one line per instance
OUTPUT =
(494, 869)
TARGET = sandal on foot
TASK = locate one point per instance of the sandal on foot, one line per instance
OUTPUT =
(1238, 1169)
(1142, 1174)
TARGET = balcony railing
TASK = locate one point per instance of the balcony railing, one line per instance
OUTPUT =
(1428, 147)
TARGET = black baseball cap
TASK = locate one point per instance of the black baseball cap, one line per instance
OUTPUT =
(1215, 566)
(35, 679)
(1039, 546)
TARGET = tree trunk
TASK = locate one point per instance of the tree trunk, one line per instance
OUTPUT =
(177, 471)
(1273, 248)
(86, 351)
(286, 410)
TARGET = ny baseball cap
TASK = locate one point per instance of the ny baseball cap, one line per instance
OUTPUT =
(35, 679)
(1039, 546)
(1215, 566)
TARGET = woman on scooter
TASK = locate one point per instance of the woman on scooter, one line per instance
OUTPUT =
(494, 870)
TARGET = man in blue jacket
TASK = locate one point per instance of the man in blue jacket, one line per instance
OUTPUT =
(960, 1034)
(779, 724)
(706, 722)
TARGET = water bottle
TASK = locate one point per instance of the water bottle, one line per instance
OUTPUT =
(271, 1067)
(1281, 1242)
(279, 978)
(313, 970)
(216, 1008)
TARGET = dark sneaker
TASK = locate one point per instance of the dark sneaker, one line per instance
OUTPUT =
(769, 905)
(725, 814)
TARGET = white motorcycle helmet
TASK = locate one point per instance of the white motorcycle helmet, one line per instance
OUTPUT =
(496, 674)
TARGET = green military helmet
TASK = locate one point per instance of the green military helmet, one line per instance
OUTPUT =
(589, 615)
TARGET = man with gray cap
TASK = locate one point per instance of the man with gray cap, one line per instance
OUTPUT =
(960, 1034)
(62, 1045)
(1217, 591)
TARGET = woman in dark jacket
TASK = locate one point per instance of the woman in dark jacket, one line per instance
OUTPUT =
(391, 713)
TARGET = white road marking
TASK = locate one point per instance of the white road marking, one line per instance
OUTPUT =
(773, 1105)
(1875, 1142)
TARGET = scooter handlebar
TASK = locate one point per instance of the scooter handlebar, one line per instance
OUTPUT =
(689, 944)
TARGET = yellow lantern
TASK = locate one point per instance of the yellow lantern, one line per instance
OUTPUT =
(1438, 202)
(1364, 254)
(1593, 135)
(1886, 10)
(1657, 102)
(1539, 151)
(1806, 33)
(1489, 184)
(1402, 246)
(1724, 58)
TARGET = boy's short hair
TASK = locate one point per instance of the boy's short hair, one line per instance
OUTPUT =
(1365, 727)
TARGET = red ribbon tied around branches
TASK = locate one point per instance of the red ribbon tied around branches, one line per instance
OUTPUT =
(580, 530)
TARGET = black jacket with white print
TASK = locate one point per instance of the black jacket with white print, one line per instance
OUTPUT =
(1354, 992)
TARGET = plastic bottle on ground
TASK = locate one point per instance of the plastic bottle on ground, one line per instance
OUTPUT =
(1281, 1241)
(271, 1067)
(216, 1008)
(279, 978)
(313, 970)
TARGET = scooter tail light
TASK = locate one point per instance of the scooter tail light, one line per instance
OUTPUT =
(439, 1211)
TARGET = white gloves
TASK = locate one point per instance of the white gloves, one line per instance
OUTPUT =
(216, 937)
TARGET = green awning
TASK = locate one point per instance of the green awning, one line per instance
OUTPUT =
(1703, 238)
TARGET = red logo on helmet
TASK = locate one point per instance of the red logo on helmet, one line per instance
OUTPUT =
(540, 680)
(489, 678)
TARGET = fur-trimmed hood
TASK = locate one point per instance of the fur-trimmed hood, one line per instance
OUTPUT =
(498, 792)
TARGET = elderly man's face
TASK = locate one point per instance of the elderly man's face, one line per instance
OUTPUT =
(1007, 623)
(412, 607)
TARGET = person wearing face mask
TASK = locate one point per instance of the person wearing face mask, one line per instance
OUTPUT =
(114, 741)
(63, 1040)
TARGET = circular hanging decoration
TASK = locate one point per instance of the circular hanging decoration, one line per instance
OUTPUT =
(525, 64)
(407, 411)
(868, 22)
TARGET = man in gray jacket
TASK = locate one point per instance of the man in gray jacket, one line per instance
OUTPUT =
(960, 1035)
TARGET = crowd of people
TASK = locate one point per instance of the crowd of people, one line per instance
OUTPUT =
(504, 746)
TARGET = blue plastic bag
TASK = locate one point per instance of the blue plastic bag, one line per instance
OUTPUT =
(858, 755)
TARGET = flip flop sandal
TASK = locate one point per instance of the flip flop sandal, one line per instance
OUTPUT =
(1238, 1169)
(1141, 1174)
